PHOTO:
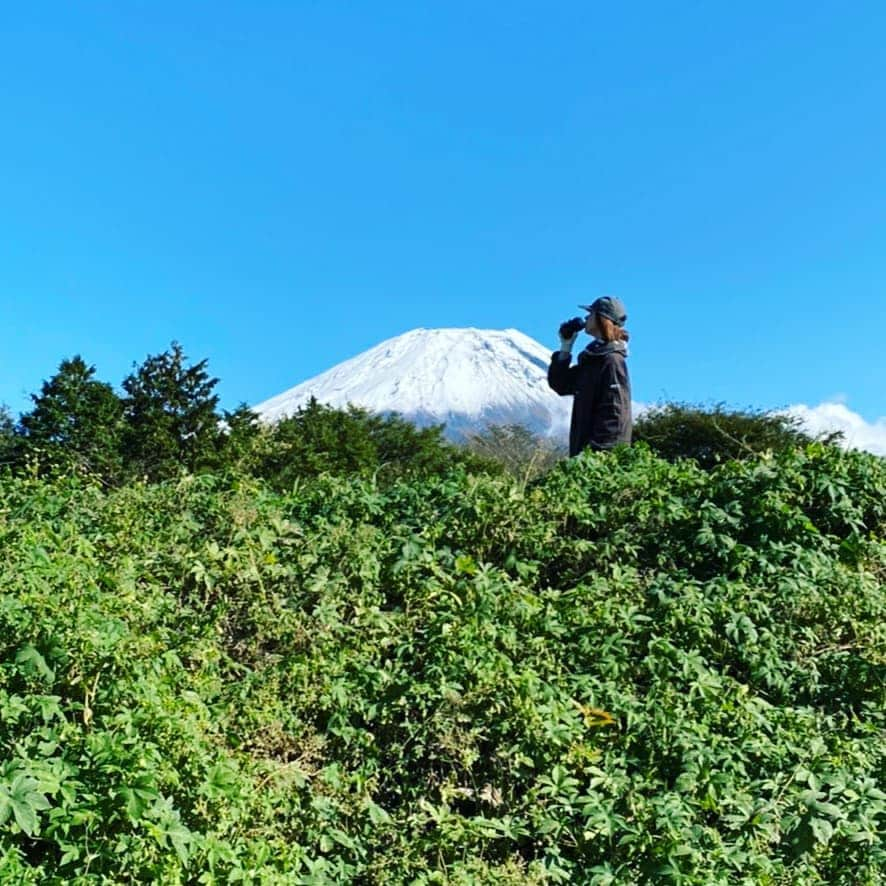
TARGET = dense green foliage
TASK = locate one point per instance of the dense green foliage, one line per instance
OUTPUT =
(319, 439)
(630, 671)
(75, 424)
(172, 421)
(8, 438)
(717, 434)
(164, 423)
(167, 424)
(517, 450)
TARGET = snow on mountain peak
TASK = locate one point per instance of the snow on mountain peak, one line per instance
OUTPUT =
(463, 377)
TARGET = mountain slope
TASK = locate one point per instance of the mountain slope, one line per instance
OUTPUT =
(465, 378)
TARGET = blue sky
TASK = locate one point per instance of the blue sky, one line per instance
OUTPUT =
(280, 186)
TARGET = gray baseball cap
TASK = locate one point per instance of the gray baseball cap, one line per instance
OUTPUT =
(609, 307)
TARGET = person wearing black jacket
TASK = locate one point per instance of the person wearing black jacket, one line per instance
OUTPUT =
(599, 381)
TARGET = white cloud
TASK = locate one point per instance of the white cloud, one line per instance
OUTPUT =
(836, 416)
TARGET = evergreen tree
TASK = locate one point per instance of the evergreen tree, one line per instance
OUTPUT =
(239, 444)
(170, 415)
(75, 423)
(317, 439)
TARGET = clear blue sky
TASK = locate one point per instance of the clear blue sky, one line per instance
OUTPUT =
(281, 185)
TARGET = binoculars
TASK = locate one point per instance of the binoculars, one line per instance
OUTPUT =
(570, 327)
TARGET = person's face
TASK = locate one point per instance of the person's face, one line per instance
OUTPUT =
(592, 327)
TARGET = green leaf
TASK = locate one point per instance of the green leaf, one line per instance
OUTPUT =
(181, 839)
(377, 815)
(25, 801)
(822, 829)
(466, 565)
(33, 661)
(137, 800)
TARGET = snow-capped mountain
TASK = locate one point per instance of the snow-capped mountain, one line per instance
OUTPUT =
(465, 378)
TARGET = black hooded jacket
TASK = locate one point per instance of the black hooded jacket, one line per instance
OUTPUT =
(599, 382)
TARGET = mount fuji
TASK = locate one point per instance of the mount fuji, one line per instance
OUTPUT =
(463, 378)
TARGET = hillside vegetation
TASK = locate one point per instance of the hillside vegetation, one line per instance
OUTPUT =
(166, 422)
(627, 671)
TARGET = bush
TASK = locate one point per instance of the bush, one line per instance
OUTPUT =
(521, 453)
(711, 436)
(320, 439)
(629, 671)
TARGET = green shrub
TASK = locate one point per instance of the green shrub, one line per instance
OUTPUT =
(518, 450)
(717, 434)
(629, 671)
(320, 439)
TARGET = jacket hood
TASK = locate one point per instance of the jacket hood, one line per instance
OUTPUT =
(599, 348)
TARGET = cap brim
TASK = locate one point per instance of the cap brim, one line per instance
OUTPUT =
(590, 308)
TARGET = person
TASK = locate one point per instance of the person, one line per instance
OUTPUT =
(599, 381)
